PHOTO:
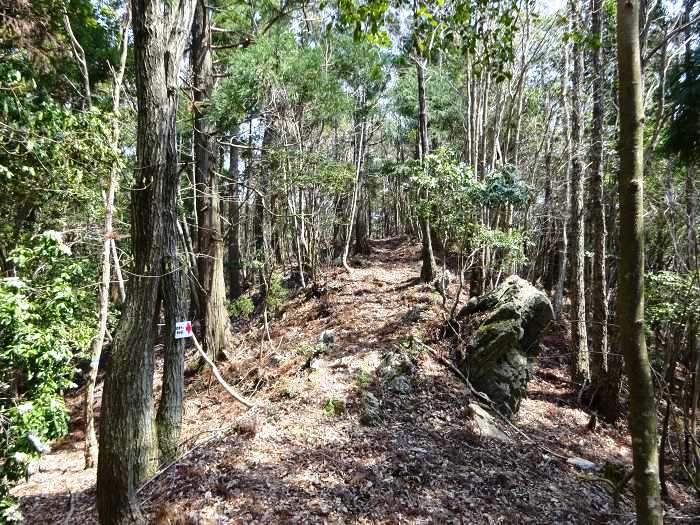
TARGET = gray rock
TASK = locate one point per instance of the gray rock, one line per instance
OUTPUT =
(501, 348)
(327, 337)
(415, 314)
(583, 464)
(485, 425)
(394, 363)
(370, 413)
(400, 384)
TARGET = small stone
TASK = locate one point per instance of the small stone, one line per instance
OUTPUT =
(400, 385)
(370, 411)
(327, 337)
(319, 364)
(485, 425)
(415, 314)
(581, 463)
(39, 446)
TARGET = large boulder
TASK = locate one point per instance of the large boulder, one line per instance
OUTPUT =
(502, 331)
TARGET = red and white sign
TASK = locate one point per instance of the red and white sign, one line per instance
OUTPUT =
(183, 329)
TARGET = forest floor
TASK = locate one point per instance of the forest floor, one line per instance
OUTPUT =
(301, 454)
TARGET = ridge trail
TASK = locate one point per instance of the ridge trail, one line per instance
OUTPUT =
(304, 457)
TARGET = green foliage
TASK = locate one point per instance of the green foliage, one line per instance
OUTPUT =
(683, 134)
(309, 349)
(455, 199)
(483, 29)
(241, 307)
(276, 292)
(503, 186)
(310, 170)
(45, 324)
(511, 245)
(52, 159)
(446, 114)
(362, 378)
(333, 407)
(672, 298)
(9, 511)
(37, 27)
(299, 75)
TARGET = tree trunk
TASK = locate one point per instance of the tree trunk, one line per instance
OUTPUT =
(215, 322)
(107, 243)
(630, 310)
(599, 303)
(362, 226)
(356, 187)
(169, 416)
(90, 436)
(128, 452)
(234, 246)
(259, 209)
(563, 244)
(580, 372)
(427, 272)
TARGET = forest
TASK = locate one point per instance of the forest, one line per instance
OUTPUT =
(349, 261)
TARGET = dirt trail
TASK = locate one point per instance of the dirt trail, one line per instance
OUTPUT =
(312, 461)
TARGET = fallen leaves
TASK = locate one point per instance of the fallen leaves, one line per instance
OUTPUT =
(418, 462)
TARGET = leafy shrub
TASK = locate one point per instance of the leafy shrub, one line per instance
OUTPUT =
(333, 407)
(362, 377)
(45, 325)
(671, 298)
(453, 197)
(276, 292)
(307, 349)
(243, 306)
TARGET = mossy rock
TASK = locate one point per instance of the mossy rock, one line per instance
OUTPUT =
(500, 351)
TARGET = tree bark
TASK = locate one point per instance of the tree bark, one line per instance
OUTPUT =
(79, 56)
(362, 225)
(170, 410)
(215, 322)
(580, 371)
(259, 208)
(563, 244)
(427, 272)
(630, 308)
(234, 246)
(128, 452)
(356, 187)
(107, 244)
(599, 303)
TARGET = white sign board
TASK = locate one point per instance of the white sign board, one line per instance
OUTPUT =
(183, 329)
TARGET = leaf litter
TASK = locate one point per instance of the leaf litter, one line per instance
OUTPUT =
(291, 459)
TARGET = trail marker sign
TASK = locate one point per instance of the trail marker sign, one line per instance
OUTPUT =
(183, 329)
